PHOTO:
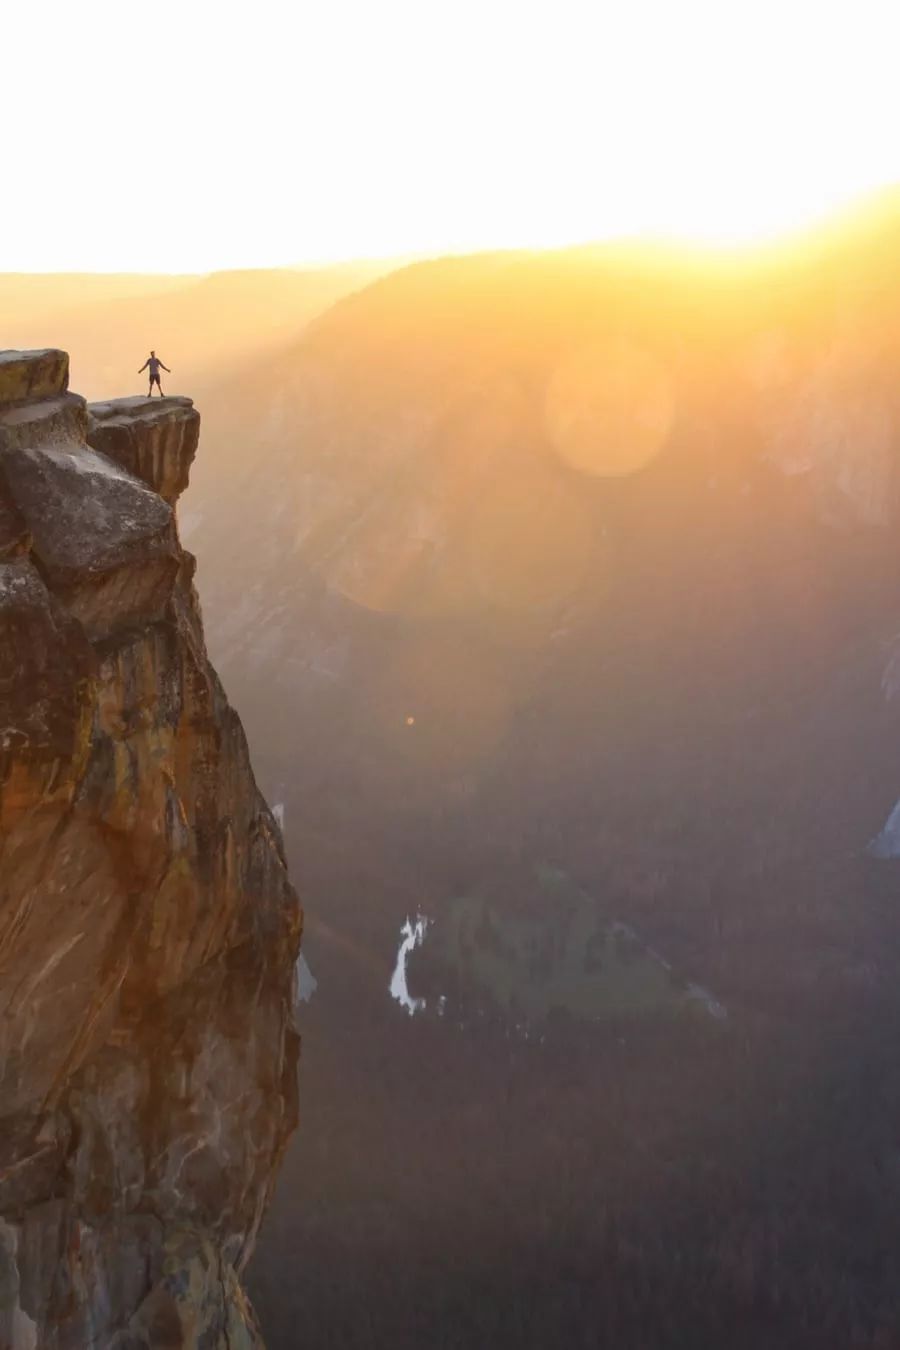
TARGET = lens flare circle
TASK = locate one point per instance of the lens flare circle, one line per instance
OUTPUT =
(609, 408)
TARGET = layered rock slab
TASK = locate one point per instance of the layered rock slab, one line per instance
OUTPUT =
(32, 375)
(148, 931)
(104, 541)
(153, 438)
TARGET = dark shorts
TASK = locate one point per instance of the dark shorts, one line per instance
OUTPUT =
(154, 379)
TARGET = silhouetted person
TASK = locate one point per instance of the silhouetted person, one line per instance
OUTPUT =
(155, 365)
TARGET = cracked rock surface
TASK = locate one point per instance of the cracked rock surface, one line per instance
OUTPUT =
(148, 930)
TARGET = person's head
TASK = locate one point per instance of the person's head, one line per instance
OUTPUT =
(152, 352)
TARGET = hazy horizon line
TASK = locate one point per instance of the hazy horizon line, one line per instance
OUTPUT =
(859, 206)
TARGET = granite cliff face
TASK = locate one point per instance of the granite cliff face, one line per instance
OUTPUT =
(148, 931)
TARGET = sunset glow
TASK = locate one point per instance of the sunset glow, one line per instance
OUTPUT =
(197, 136)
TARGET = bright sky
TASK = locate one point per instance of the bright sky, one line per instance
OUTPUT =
(190, 135)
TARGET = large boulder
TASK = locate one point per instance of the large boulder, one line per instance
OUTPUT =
(104, 540)
(32, 375)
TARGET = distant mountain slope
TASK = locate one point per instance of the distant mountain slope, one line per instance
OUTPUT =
(25, 295)
(202, 326)
(454, 395)
(443, 367)
(547, 950)
(588, 555)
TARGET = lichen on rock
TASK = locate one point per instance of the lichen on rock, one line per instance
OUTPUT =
(148, 930)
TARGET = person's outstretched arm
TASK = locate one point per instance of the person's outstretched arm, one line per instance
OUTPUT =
(143, 367)
(166, 368)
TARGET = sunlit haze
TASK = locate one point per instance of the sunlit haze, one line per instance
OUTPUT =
(193, 136)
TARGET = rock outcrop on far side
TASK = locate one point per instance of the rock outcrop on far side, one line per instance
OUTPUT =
(148, 931)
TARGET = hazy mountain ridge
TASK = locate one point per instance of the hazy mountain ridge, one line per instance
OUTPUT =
(433, 554)
(201, 325)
